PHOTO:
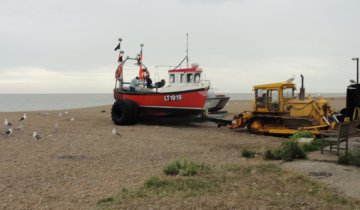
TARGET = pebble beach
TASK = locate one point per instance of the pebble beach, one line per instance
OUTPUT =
(80, 161)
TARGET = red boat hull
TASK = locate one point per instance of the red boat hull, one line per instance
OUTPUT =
(180, 103)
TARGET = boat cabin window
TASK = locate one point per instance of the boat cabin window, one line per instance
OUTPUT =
(172, 78)
(189, 78)
(288, 92)
(260, 97)
(181, 78)
(197, 77)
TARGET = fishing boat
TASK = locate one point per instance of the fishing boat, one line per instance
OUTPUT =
(192, 77)
(215, 102)
(158, 100)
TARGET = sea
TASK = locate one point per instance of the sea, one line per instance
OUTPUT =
(37, 102)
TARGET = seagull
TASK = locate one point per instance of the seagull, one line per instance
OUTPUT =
(66, 113)
(36, 136)
(23, 117)
(8, 132)
(72, 119)
(291, 79)
(60, 114)
(114, 132)
(7, 123)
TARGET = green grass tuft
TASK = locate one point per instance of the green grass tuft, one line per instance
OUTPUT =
(183, 167)
(246, 153)
(268, 155)
(302, 134)
(313, 146)
(105, 201)
(288, 151)
(154, 182)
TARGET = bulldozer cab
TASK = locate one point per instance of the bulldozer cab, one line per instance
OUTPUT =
(272, 97)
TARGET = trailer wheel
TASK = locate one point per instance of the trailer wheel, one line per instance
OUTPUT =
(124, 112)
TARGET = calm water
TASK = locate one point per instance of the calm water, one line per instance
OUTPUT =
(35, 102)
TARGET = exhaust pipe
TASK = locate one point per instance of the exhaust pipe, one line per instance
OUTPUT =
(302, 89)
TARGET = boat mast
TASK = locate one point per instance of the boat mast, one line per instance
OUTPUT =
(187, 54)
(187, 50)
(120, 63)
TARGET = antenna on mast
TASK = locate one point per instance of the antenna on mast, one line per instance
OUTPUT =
(187, 50)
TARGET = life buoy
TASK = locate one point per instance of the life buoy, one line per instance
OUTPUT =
(118, 71)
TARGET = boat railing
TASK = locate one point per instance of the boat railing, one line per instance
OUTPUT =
(140, 87)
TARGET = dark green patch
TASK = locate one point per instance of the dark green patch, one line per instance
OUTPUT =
(291, 150)
(312, 146)
(288, 151)
(246, 153)
(105, 201)
(272, 154)
(302, 134)
(183, 167)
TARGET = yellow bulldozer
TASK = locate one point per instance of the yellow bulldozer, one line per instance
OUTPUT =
(277, 110)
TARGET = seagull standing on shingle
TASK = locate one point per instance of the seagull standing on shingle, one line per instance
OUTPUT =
(23, 117)
(115, 133)
(8, 132)
(36, 136)
(7, 123)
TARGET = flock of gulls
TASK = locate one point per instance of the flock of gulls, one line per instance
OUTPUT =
(9, 125)
(10, 128)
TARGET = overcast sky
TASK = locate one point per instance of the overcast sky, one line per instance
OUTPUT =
(67, 46)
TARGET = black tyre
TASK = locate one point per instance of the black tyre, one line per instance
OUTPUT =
(124, 112)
